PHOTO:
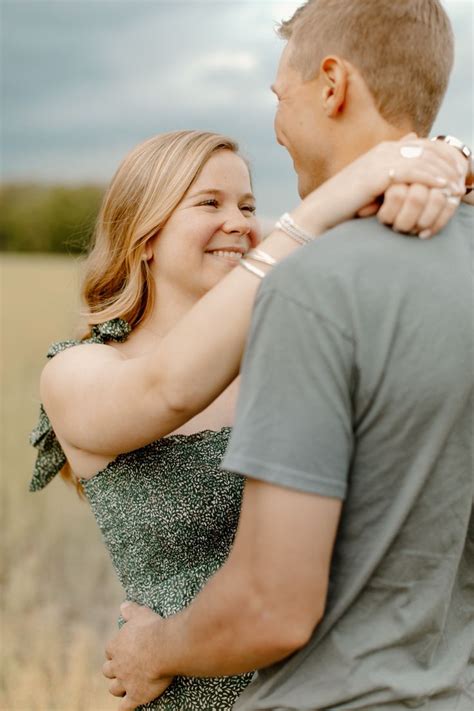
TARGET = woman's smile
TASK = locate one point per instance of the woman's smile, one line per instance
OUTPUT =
(231, 256)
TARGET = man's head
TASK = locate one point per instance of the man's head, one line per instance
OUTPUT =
(355, 72)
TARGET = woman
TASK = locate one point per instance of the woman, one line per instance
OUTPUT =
(165, 337)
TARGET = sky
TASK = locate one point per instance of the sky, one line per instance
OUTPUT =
(83, 81)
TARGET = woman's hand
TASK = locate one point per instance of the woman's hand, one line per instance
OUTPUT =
(417, 209)
(421, 182)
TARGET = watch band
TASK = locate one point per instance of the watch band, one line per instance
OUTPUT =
(466, 152)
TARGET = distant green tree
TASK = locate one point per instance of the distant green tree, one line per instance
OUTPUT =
(41, 218)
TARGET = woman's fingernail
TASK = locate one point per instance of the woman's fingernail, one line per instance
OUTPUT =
(441, 181)
(424, 234)
(453, 200)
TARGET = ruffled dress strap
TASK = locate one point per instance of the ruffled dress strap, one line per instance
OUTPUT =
(50, 458)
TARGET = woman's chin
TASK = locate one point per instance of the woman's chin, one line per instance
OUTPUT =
(217, 273)
(219, 260)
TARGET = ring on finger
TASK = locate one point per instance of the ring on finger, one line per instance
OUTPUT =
(453, 200)
(411, 151)
(449, 197)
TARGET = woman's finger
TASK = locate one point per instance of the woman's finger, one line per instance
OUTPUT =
(435, 163)
(369, 210)
(392, 203)
(429, 173)
(412, 208)
(433, 166)
(452, 154)
(435, 205)
(417, 210)
(443, 218)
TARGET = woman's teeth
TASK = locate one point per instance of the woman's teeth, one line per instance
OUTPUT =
(225, 253)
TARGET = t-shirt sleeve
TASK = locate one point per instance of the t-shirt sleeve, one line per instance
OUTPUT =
(294, 416)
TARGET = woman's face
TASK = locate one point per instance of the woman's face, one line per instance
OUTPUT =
(209, 231)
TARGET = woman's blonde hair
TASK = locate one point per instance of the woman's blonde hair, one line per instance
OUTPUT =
(147, 187)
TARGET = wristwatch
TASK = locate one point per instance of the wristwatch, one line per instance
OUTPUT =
(466, 152)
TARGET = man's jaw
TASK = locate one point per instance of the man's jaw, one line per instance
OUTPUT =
(308, 182)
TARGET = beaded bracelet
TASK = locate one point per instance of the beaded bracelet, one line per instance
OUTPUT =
(251, 268)
(287, 225)
(258, 255)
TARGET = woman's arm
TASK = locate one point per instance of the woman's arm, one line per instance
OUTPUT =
(102, 403)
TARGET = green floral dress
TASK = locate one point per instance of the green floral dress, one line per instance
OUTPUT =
(168, 516)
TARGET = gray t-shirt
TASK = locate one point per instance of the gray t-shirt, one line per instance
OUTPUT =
(358, 384)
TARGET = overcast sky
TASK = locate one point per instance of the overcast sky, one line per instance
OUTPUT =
(85, 80)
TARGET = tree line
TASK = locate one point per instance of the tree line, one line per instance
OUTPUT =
(48, 218)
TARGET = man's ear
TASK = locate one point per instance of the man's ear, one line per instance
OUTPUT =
(335, 76)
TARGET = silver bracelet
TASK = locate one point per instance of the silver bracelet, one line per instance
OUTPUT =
(287, 225)
(258, 255)
(252, 269)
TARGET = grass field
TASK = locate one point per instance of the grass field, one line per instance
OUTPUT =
(59, 593)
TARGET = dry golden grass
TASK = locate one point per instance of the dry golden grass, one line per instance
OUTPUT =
(59, 593)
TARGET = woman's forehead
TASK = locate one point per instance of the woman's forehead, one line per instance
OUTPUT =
(224, 170)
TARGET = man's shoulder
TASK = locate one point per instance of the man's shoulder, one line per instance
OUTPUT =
(348, 238)
(360, 266)
(332, 258)
(362, 247)
(356, 238)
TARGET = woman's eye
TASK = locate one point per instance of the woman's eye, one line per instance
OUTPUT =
(249, 208)
(211, 202)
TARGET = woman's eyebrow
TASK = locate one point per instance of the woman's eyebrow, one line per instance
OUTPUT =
(206, 191)
(213, 191)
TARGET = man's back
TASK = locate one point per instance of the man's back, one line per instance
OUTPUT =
(389, 321)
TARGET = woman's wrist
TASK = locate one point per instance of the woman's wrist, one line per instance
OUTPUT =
(313, 214)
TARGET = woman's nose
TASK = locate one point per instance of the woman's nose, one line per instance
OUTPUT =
(236, 222)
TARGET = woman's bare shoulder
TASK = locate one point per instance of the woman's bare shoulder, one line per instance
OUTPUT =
(74, 365)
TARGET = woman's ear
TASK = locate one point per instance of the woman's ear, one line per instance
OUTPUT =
(147, 255)
(334, 73)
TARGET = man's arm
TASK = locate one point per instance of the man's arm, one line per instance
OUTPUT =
(294, 437)
(261, 606)
(266, 600)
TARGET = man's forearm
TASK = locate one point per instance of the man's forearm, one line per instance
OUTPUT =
(261, 606)
(228, 629)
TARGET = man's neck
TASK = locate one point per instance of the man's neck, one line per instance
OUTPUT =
(352, 144)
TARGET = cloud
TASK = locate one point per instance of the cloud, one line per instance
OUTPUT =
(85, 80)
(227, 61)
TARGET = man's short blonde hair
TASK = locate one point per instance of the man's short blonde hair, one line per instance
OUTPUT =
(404, 50)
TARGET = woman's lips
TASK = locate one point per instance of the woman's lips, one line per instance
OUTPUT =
(227, 255)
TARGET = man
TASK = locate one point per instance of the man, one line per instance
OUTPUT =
(351, 581)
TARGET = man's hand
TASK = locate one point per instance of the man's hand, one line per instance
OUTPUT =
(129, 664)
